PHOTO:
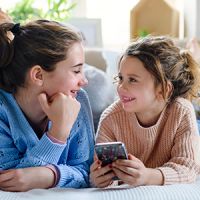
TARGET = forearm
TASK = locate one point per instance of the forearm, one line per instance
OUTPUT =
(45, 178)
(154, 177)
(24, 179)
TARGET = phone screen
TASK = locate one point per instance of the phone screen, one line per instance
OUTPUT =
(111, 151)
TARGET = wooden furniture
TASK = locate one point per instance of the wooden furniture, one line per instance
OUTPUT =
(154, 17)
(4, 17)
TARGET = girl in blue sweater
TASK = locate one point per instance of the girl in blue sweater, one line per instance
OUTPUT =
(46, 131)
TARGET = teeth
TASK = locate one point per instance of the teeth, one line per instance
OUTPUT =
(127, 98)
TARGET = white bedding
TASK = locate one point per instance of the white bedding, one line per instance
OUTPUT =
(171, 192)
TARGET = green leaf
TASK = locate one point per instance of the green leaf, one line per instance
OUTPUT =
(58, 10)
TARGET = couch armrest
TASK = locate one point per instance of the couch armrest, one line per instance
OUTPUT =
(94, 57)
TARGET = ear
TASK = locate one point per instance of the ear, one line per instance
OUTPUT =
(169, 90)
(159, 92)
(36, 75)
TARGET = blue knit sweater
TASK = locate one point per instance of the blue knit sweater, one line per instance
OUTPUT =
(20, 146)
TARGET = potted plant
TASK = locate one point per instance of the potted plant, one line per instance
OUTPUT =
(26, 10)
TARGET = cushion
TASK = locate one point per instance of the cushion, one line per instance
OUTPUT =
(100, 89)
(94, 57)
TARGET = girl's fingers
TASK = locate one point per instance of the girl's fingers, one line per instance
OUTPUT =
(127, 170)
(95, 166)
(124, 176)
(104, 184)
(127, 163)
(6, 176)
(95, 157)
(7, 180)
(103, 170)
(132, 157)
(11, 189)
(7, 184)
(132, 162)
(105, 178)
(101, 176)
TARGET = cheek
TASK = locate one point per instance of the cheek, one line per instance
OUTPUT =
(118, 89)
(70, 82)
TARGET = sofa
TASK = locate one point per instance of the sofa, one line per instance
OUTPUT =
(100, 68)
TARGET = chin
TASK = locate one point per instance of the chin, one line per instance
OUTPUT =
(127, 108)
(74, 95)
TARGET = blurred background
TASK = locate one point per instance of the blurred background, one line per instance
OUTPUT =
(111, 23)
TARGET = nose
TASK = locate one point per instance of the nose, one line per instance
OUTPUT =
(83, 82)
(122, 86)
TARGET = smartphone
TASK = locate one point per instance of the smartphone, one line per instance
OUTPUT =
(110, 151)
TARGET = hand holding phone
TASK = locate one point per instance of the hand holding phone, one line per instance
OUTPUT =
(110, 152)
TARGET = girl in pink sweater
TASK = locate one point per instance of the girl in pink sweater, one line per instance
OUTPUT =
(153, 117)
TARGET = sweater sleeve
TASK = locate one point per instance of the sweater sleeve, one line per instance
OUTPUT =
(9, 155)
(76, 173)
(71, 160)
(104, 132)
(183, 166)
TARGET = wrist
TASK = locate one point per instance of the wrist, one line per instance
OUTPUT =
(50, 178)
(56, 176)
(154, 177)
(59, 133)
(54, 140)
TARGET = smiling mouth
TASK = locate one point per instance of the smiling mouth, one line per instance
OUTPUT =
(127, 99)
(74, 92)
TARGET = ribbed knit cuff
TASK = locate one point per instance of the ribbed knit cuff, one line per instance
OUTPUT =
(72, 177)
(170, 175)
(54, 140)
(47, 151)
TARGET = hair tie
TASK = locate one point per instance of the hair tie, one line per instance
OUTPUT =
(16, 30)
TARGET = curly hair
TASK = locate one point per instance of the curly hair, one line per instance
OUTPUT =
(166, 62)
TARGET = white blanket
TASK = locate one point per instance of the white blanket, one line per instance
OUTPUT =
(171, 192)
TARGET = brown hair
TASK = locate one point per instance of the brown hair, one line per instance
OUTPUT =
(40, 42)
(166, 62)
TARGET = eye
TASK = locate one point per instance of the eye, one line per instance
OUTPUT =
(132, 80)
(77, 71)
(117, 79)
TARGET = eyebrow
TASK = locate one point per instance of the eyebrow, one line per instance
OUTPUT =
(77, 65)
(134, 75)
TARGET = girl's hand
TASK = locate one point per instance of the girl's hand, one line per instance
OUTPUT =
(133, 172)
(101, 176)
(62, 110)
(24, 179)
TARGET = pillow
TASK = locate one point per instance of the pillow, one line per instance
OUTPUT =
(93, 56)
(112, 61)
(100, 89)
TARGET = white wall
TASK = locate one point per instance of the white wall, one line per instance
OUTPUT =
(115, 18)
(114, 15)
(192, 18)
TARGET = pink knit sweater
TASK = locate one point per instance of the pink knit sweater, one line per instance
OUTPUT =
(171, 145)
